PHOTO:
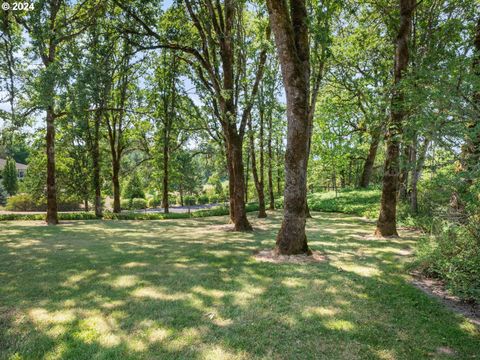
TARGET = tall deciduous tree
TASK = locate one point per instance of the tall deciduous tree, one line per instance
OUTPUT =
(387, 221)
(289, 25)
(216, 52)
(118, 117)
(51, 24)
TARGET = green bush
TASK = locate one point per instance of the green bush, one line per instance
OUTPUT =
(202, 199)
(41, 217)
(357, 202)
(69, 204)
(108, 215)
(24, 202)
(3, 194)
(154, 202)
(134, 188)
(139, 204)
(279, 203)
(172, 199)
(214, 199)
(452, 255)
(189, 200)
(126, 204)
(9, 174)
(451, 252)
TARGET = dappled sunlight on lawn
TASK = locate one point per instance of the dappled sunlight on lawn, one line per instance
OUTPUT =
(190, 289)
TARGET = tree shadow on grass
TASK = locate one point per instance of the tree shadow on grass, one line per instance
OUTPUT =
(180, 289)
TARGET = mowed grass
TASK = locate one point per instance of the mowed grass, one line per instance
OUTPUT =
(188, 289)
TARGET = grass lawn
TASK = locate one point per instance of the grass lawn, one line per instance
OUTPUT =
(187, 289)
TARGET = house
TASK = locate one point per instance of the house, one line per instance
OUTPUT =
(21, 168)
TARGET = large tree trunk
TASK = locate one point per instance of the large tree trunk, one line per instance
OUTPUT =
(240, 220)
(291, 37)
(231, 192)
(258, 181)
(387, 221)
(116, 186)
(165, 175)
(52, 211)
(270, 165)
(96, 166)
(370, 161)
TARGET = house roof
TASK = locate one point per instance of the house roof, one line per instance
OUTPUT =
(18, 165)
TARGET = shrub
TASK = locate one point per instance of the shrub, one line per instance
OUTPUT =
(108, 215)
(134, 188)
(41, 217)
(202, 199)
(452, 255)
(10, 181)
(214, 199)
(172, 199)
(69, 204)
(24, 202)
(279, 203)
(451, 252)
(3, 195)
(139, 204)
(357, 202)
(154, 202)
(189, 200)
(217, 211)
(126, 204)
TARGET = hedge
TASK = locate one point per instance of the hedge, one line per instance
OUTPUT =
(218, 211)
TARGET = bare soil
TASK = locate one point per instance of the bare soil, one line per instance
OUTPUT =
(436, 288)
(268, 255)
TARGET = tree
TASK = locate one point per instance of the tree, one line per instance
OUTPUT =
(216, 51)
(471, 153)
(119, 117)
(52, 24)
(166, 96)
(387, 221)
(10, 46)
(10, 181)
(134, 188)
(290, 28)
(258, 179)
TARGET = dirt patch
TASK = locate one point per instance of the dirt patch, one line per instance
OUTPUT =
(230, 228)
(268, 255)
(436, 288)
(222, 228)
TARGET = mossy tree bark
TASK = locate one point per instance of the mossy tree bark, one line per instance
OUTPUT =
(289, 25)
(370, 160)
(387, 221)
